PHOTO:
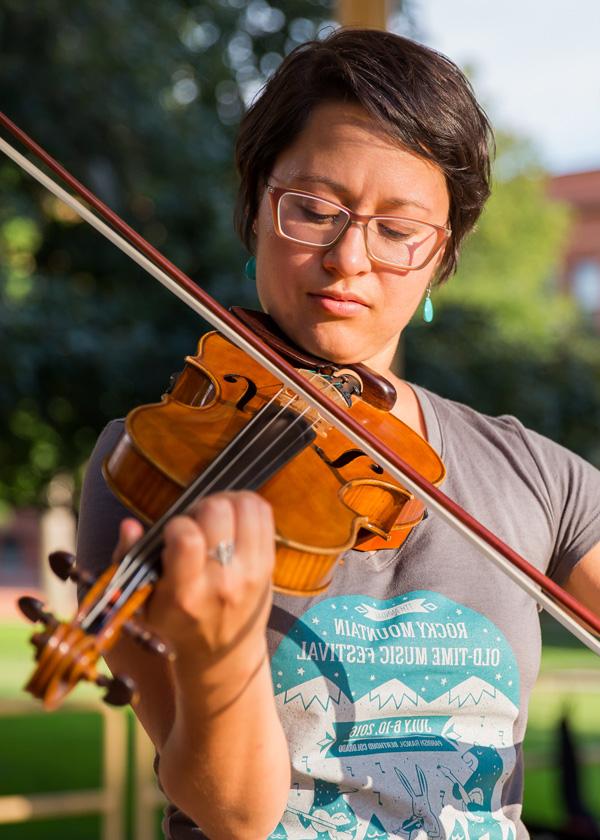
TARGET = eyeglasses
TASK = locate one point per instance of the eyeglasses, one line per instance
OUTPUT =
(311, 220)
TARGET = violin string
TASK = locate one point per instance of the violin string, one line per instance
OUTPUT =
(206, 489)
(147, 574)
(253, 442)
(198, 490)
(144, 544)
(142, 572)
(136, 558)
(151, 539)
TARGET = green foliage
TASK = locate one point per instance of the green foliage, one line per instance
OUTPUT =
(140, 101)
(505, 340)
(507, 266)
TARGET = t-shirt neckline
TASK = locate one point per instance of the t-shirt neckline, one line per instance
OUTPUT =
(432, 423)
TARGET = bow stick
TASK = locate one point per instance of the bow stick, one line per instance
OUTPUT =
(548, 594)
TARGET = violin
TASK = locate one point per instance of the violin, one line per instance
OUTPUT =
(227, 424)
(379, 475)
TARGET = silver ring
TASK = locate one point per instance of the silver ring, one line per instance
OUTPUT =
(222, 552)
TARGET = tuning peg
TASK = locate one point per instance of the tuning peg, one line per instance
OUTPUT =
(63, 565)
(149, 641)
(120, 690)
(33, 609)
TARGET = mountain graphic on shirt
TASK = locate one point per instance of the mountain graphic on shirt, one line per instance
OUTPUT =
(394, 694)
(375, 831)
(471, 691)
(318, 690)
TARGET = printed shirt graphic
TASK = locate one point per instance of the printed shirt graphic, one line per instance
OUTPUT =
(399, 716)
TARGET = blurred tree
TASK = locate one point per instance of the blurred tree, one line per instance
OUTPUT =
(505, 339)
(507, 267)
(140, 101)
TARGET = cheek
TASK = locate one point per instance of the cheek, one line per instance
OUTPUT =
(275, 278)
(401, 297)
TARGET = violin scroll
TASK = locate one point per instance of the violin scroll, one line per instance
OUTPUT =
(67, 653)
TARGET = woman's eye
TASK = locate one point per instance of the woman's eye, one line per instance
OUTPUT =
(320, 218)
(398, 234)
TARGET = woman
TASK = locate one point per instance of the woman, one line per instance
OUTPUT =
(394, 704)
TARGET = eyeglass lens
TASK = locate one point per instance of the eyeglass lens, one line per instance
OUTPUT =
(315, 221)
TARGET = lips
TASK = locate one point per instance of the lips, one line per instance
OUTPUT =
(338, 304)
(339, 296)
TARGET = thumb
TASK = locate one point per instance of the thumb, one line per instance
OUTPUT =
(130, 531)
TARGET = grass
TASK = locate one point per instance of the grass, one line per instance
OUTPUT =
(74, 828)
(543, 803)
(44, 753)
(62, 751)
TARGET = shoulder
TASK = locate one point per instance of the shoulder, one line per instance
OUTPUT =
(461, 426)
(543, 486)
(451, 414)
(95, 491)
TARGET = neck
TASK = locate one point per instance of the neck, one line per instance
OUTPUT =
(407, 407)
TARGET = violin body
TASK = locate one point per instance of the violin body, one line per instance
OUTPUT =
(327, 496)
(228, 424)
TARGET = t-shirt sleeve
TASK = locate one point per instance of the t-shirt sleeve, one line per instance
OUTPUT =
(573, 490)
(100, 512)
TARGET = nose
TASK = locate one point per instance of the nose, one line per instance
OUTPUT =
(348, 256)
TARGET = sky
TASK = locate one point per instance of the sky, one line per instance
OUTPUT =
(536, 68)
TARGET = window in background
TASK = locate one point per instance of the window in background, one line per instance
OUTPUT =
(10, 559)
(585, 279)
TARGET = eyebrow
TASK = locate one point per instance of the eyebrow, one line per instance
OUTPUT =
(341, 189)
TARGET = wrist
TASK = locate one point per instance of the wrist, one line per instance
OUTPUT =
(210, 685)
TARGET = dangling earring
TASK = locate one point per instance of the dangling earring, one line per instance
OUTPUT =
(250, 268)
(428, 306)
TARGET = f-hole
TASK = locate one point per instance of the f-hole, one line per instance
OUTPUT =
(346, 458)
(248, 394)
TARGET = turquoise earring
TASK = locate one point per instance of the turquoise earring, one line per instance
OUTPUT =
(428, 306)
(250, 268)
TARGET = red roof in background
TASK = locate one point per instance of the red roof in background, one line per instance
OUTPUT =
(581, 191)
(580, 188)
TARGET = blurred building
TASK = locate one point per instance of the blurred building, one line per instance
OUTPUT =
(579, 272)
(19, 559)
(26, 540)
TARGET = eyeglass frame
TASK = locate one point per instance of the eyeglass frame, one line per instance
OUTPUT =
(360, 219)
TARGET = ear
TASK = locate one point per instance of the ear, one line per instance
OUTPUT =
(422, 779)
(404, 781)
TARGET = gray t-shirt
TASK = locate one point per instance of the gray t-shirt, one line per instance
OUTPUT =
(403, 689)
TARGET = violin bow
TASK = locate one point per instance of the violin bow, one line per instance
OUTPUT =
(548, 594)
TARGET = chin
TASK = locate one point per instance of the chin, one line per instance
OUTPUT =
(336, 341)
(335, 348)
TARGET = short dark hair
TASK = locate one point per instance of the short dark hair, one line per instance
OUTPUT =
(418, 96)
